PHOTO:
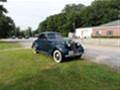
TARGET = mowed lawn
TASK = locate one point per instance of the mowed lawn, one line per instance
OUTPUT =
(8, 45)
(23, 70)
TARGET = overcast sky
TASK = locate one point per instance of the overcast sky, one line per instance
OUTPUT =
(31, 12)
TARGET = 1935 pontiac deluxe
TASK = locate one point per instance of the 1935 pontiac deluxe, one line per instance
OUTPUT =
(53, 44)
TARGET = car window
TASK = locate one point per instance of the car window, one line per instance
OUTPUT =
(42, 36)
(54, 36)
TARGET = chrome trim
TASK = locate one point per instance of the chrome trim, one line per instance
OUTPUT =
(74, 55)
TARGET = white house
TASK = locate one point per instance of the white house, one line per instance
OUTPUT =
(70, 35)
(84, 32)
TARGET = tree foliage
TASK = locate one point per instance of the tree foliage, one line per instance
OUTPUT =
(7, 25)
(3, 0)
(74, 16)
(28, 32)
(23, 33)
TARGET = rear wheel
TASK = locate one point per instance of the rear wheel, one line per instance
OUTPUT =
(57, 56)
(35, 51)
(35, 48)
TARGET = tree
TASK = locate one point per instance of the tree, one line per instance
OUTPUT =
(64, 21)
(103, 11)
(3, 10)
(28, 32)
(7, 25)
(3, 0)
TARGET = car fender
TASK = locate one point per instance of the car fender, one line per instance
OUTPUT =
(61, 48)
(34, 44)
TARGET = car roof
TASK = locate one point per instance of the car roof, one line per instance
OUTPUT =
(48, 32)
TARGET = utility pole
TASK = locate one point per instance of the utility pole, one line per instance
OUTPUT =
(73, 31)
(74, 27)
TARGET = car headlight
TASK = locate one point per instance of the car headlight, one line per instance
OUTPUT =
(78, 44)
(68, 44)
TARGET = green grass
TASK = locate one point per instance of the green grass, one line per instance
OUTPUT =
(8, 45)
(23, 70)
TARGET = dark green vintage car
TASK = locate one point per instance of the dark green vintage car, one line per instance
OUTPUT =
(53, 44)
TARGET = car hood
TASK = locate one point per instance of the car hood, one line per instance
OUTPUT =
(61, 41)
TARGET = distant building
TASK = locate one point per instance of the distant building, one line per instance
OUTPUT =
(105, 30)
(70, 34)
(83, 32)
(109, 29)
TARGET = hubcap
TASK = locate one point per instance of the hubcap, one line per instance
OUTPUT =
(57, 56)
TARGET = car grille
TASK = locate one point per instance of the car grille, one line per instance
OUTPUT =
(74, 47)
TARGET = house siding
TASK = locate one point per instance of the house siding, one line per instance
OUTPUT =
(103, 31)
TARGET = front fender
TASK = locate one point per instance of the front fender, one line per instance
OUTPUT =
(62, 48)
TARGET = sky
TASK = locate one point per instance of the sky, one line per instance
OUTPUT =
(31, 12)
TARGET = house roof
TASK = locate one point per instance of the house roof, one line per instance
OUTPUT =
(113, 23)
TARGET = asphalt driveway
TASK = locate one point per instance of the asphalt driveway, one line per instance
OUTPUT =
(103, 55)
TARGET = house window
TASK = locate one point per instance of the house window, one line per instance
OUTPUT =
(97, 33)
(109, 33)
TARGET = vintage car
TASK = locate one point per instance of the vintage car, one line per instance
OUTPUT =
(53, 44)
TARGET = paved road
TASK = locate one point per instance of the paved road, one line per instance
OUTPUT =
(26, 43)
(103, 55)
(99, 54)
(103, 42)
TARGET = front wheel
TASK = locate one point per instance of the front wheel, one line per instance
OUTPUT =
(57, 56)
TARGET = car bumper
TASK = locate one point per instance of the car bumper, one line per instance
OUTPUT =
(73, 54)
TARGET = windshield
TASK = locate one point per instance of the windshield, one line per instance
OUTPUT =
(54, 36)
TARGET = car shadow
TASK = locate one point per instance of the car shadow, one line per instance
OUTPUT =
(71, 59)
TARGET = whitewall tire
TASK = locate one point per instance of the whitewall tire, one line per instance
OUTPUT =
(57, 56)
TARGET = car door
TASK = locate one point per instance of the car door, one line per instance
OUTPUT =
(42, 42)
(47, 46)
